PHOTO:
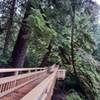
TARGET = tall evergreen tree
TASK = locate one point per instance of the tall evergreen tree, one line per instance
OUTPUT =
(20, 48)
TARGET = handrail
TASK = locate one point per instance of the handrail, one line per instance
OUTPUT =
(3, 70)
(44, 89)
(61, 74)
(11, 83)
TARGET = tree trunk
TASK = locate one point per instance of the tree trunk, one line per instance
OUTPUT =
(8, 29)
(72, 35)
(45, 58)
(20, 48)
(63, 56)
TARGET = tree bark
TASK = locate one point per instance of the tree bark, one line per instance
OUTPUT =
(45, 57)
(62, 52)
(20, 48)
(72, 35)
(9, 27)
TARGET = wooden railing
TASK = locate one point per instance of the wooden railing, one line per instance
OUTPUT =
(19, 78)
(44, 90)
(61, 74)
(22, 76)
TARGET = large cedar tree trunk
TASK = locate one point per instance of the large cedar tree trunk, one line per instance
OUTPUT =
(20, 48)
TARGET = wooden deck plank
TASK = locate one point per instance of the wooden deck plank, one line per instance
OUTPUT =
(19, 93)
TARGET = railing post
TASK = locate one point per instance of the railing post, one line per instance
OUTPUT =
(29, 71)
(16, 73)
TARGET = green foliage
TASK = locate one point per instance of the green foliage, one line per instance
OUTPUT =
(87, 67)
(40, 38)
(96, 52)
(4, 60)
(38, 24)
(54, 22)
(73, 96)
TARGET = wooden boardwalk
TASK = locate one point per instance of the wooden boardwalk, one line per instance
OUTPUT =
(19, 93)
(30, 83)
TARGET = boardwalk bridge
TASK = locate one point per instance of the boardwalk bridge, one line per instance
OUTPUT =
(29, 83)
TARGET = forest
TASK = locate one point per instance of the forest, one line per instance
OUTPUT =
(39, 33)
